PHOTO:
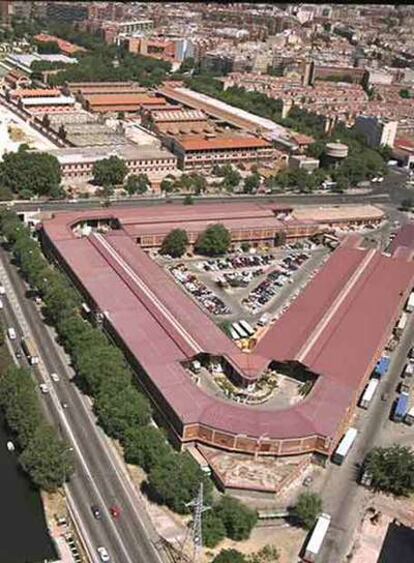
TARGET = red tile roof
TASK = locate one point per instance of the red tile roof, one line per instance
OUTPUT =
(36, 93)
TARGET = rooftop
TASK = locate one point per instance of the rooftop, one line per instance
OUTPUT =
(337, 328)
(125, 151)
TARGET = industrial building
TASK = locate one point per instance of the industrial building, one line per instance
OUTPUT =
(333, 334)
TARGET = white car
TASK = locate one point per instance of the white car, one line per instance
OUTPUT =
(103, 554)
(11, 333)
(54, 377)
(2, 290)
(44, 388)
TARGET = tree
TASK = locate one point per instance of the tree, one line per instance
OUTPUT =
(405, 93)
(251, 183)
(175, 243)
(146, 446)
(167, 185)
(177, 482)
(213, 529)
(214, 241)
(391, 469)
(47, 459)
(109, 171)
(229, 556)
(120, 408)
(280, 238)
(137, 184)
(47, 47)
(198, 183)
(238, 519)
(30, 172)
(307, 509)
(407, 204)
(188, 200)
(187, 64)
(268, 554)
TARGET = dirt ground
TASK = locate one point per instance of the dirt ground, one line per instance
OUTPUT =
(286, 539)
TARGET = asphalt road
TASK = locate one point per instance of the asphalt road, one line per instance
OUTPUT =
(178, 200)
(99, 478)
(343, 497)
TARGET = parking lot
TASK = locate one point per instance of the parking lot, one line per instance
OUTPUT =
(257, 287)
(199, 291)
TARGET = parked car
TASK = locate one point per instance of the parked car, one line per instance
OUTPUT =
(54, 377)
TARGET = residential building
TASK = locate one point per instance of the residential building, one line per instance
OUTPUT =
(377, 131)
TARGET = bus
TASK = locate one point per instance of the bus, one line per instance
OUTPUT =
(240, 330)
(344, 446)
(368, 393)
(247, 327)
(30, 350)
(316, 540)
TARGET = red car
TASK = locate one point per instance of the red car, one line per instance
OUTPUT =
(115, 511)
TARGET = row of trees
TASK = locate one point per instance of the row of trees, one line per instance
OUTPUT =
(193, 182)
(122, 410)
(214, 241)
(43, 455)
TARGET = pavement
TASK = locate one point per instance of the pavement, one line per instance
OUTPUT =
(100, 477)
(343, 498)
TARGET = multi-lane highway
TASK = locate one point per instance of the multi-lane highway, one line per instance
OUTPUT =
(100, 477)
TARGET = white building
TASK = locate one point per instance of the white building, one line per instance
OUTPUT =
(377, 131)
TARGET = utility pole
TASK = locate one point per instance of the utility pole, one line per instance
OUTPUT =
(196, 529)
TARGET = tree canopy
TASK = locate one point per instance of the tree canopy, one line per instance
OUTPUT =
(175, 243)
(391, 469)
(137, 184)
(43, 456)
(229, 556)
(238, 519)
(307, 509)
(214, 241)
(109, 171)
(30, 173)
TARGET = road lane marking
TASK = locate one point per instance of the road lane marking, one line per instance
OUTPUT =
(62, 415)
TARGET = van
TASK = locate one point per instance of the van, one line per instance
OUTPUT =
(11, 333)
(1, 304)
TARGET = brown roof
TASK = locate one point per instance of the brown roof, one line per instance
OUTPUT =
(223, 143)
(122, 99)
